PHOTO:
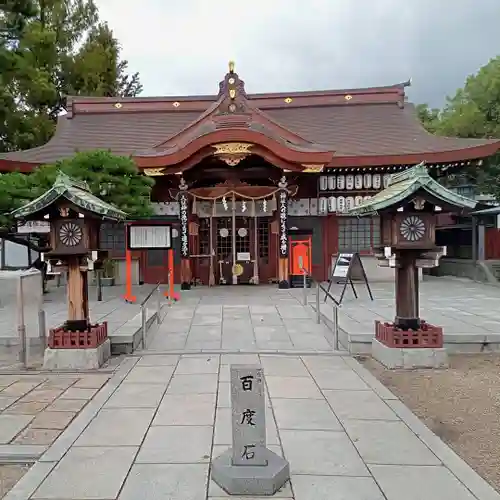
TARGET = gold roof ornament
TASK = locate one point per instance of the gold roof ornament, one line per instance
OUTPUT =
(231, 67)
(154, 172)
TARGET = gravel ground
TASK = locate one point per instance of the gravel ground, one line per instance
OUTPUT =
(9, 476)
(460, 404)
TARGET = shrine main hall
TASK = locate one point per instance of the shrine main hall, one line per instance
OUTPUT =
(255, 184)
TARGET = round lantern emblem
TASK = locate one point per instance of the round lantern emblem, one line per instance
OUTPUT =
(412, 228)
(70, 234)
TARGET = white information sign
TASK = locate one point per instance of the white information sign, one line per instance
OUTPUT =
(150, 237)
(33, 226)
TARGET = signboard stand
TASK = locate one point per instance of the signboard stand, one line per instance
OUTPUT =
(144, 237)
(348, 266)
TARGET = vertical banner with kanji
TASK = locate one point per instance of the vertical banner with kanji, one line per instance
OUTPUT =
(184, 232)
(283, 223)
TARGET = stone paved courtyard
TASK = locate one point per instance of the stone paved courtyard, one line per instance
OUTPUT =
(241, 319)
(151, 432)
(112, 309)
(468, 312)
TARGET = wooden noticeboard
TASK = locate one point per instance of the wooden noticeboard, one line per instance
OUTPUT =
(348, 267)
(149, 236)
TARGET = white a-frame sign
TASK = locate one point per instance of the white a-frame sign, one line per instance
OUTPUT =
(348, 267)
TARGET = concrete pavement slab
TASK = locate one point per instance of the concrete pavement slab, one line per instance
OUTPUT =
(383, 442)
(293, 387)
(335, 488)
(117, 427)
(186, 409)
(166, 482)
(304, 414)
(325, 453)
(361, 405)
(417, 483)
(176, 444)
(88, 473)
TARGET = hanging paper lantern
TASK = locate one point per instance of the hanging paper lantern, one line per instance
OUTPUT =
(323, 183)
(341, 204)
(331, 183)
(349, 182)
(323, 205)
(358, 181)
(367, 181)
(332, 204)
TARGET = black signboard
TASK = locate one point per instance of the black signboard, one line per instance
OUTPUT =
(184, 229)
(283, 223)
(348, 267)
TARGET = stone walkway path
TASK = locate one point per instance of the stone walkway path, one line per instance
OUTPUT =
(35, 409)
(152, 430)
(246, 319)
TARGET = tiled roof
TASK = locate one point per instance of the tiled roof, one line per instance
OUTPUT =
(373, 123)
(74, 191)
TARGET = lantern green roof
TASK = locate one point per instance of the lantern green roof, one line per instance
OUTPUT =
(404, 184)
(76, 192)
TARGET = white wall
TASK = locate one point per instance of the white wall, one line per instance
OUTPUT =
(15, 255)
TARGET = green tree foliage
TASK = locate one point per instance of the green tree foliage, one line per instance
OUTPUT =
(473, 112)
(428, 116)
(50, 49)
(114, 179)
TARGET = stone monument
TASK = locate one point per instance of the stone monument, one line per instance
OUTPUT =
(408, 210)
(249, 467)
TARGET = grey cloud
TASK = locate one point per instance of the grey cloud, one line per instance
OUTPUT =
(283, 45)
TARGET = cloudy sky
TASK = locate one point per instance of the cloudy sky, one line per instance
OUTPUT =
(183, 47)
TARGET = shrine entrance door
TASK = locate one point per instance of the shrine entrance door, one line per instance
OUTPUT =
(234, 254)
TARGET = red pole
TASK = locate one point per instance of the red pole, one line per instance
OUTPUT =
(128, 271)
(170, 266)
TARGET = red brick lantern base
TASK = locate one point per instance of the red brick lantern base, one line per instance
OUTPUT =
(59, 338)
(391, 336)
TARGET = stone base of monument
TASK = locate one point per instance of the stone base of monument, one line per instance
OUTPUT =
(251, 480)
(77, 350)
(409, 357)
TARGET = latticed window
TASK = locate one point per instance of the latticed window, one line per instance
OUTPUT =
(242, 235)
(204, 236)
(263, 235)
(112, 238)
(224, 239)
(358, 234)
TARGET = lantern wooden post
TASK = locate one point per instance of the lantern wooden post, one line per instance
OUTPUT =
(78, 303)
(408, 210)
(75, 216)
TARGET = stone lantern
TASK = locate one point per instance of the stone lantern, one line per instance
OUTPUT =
(75, 215)
(408, 210)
